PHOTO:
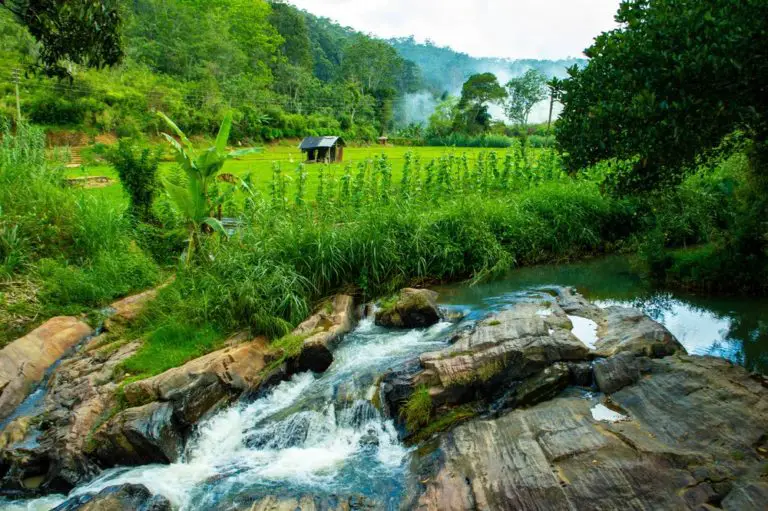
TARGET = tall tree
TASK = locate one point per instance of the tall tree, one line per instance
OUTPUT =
(523, 93)
(478, 92)
(665, 87)
(83, 32)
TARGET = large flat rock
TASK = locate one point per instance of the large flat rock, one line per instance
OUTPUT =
(23, 362)
(695, 436)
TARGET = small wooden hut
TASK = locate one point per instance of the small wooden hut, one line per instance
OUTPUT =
(323, 149)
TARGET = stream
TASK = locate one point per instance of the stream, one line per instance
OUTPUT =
(319, 434)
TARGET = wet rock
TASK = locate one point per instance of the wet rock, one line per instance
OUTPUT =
(24, 361)
(581, 373)
(396, 387)
(615, 373)
(629, 330)
(510, 346)
(413, 308)
(141, 435)
(202, 384)
(544, 385)
(688, 416)
(126, 497)
(324, 329)
(752, 496)
(575, 304)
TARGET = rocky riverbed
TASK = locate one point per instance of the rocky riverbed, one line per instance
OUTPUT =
(549, 402)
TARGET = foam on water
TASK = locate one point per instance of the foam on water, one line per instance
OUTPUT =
(313, 433)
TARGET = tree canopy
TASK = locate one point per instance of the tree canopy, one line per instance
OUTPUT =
(83, 32)
(523, 93)
(667, 86)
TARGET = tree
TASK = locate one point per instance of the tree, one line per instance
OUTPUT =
(192, 199)
(290, 24)
(477, 93)
(523, 93)
(83, 32)
(137, 169)
(665, 88)
(441, 120)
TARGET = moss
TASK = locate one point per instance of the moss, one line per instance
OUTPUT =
(108, 349)
(494, 322)
(389, 303)
(483, 374)
(288, 347)
(445, 422)
(738, 455)
(376, 398)
(418, 409)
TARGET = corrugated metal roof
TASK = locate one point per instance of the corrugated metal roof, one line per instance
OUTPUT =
(318, 142)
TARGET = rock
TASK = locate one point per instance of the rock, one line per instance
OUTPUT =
(750, 497)
(126, 497)
(141, 435)
(544, 385)
(324, 329)
(582, 374)
(510, 346)
(53, 445)
(615, 373)
(200, 385)
(688, 417)
(23, 362)
(575, 304)
(624, 329)
(396, 387)
(413, 308)
(129, 308)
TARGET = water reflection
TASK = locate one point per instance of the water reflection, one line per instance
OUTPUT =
(735, 328)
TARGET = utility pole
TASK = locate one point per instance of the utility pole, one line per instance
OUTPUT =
(16, 77)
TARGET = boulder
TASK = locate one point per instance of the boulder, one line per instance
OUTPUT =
(545, 384)
(23, 362)
(629, 330)
(127, 309)
(323, 330)
(509, 346)
(140, 435)
(615, 373)
(412, 308)
(52, 447)
(690, 442)
(126, 497)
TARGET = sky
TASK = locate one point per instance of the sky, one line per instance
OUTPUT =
(541, 29)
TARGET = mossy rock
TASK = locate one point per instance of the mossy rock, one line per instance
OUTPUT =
(411, 308)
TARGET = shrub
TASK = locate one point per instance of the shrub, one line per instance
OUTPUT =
(137, 168)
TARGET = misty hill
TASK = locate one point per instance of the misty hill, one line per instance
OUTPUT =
(445, 70)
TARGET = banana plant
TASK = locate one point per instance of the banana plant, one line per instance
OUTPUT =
(200, 167)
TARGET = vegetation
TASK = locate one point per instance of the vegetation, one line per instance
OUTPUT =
(417, 411)
(137, 169)
(639, 103)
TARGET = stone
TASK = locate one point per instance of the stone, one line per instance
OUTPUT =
(413, 308)
(625, 329)
(615, 373)
(582, 374)
(544, 385)
(752, 496)
(126, 497)
(23, 362)
(129, 308)
(688, 417)
(509, 346)
(575, 304)
(324, 330)
(140, 435)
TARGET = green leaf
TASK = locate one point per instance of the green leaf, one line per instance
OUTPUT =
(214, 224)
(223, 136)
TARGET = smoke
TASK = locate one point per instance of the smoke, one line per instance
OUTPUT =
(416, 107)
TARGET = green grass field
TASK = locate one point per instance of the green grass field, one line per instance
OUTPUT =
(259, 166)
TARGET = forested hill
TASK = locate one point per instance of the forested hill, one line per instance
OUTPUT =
(284, 72)
(445, 70)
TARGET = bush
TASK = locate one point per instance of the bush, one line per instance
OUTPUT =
(137, 168)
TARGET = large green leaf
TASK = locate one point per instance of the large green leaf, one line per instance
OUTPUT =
(223, 136)
(178, 132)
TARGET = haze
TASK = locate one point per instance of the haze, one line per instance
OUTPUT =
(541, 29)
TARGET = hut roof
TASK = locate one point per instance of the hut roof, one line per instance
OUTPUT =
(319, 142)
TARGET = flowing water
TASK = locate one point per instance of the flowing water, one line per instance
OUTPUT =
(318, 434)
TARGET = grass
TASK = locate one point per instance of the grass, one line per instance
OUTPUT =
(444, 422)
(417, 411)
(168, 346)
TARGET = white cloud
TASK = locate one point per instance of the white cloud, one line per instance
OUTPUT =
(543, 29)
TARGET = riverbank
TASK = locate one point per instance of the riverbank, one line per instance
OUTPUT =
(338, 435)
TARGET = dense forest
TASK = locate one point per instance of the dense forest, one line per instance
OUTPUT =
(285, 72)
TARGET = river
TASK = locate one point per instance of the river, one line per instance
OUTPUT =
(318, 434)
